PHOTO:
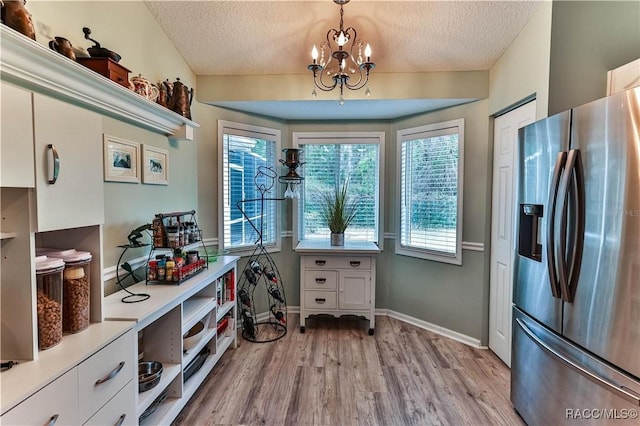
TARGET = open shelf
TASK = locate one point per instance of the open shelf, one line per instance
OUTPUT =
(188, 356)
(7, 235)
(222, 310)
(30, 64)
(169, 372)
(194, 309)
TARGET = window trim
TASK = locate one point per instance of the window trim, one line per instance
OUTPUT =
(378, 138)
(404, 135)
(252, 131)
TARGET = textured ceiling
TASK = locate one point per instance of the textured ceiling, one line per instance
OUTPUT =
(275, 37)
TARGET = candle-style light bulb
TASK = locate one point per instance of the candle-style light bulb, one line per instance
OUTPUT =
(314, 53)
(342, 39)
(367, 52)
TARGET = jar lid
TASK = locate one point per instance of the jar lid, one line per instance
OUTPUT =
(70, 256)
(45, 264)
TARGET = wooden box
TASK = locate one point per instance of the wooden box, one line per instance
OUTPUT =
(108, 68)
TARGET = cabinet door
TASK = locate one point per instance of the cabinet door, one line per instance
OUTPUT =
(354, 290)
(76, 199)
(56, 403)
(16, 142)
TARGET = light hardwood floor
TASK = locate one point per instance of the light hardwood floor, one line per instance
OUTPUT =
(336, 374)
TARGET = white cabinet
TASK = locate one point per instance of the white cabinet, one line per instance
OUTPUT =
(119, 411)
(337, 280)
(16, 141)
(164, 318)
(67, 213)
(69, 194)
(56, 403)
(72, 383)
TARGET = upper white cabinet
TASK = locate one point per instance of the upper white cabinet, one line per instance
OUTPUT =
(624, 77)
(68, 162)
(16, 140)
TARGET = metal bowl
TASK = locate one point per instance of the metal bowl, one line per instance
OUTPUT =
(149, 373)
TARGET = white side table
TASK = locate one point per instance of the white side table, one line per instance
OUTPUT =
(337, 280)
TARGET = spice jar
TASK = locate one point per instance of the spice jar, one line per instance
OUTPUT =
(170, 264)
(173, 236)
(152, 273)
(162, 269)
(49, 300)
(76, 287)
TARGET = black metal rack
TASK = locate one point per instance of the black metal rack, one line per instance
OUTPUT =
(187, 235)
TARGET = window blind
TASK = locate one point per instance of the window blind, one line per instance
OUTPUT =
(243, 156)
(329, 165)
(429, 192)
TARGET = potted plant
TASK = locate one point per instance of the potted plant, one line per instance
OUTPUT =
(338, 211)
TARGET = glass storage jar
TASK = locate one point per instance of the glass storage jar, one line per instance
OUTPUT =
(76, 287)
(49, 300)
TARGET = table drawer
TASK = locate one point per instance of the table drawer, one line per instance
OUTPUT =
(321, 280)
(102, 375)
(323, 300)
(337, 262)
(121, 410)
(55, 403)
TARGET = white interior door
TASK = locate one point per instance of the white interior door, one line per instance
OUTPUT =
(505, 145)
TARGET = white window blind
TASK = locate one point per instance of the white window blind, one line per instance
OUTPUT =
(245, 150)
(328, 164)
(430, 167)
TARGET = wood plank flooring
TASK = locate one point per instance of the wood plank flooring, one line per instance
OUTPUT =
(336, 374)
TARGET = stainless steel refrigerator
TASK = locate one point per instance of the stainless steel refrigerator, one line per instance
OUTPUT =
(576, 311)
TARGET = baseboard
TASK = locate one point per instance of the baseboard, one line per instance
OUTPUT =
(454, 335)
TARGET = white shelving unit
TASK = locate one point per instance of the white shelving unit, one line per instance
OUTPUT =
(164, 318)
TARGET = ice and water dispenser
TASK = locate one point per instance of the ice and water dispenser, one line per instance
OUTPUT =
(529, 238)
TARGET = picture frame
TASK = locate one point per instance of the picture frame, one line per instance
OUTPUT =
(121, 160)
(155, 165)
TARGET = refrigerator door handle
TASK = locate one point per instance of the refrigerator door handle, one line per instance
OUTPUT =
(579, 211)
(568, 274)
(604, 382)
(551, 224)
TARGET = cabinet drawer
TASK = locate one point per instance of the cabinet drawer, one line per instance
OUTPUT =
(102, 375)
(324, 300)
(321, 280)
(57, 402)
(337, 262)
(121, 410)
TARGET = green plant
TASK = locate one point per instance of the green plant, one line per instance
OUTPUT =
(338, 211)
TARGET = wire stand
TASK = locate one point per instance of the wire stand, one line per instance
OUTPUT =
(130, 273)
(261, 271)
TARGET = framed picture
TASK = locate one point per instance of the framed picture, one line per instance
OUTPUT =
(155, 165)
(121, 160)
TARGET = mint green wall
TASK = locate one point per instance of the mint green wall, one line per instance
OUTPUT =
(589, 38)
(523, 69)
(451, 296)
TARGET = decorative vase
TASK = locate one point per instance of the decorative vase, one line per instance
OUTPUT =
(337, 239)
(15, 15)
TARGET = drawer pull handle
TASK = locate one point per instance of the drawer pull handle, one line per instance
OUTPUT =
(354, 263)
(120, 420)
(111, 375)
(320, 301)
(53, 420)
(321, 262)
(321, 280)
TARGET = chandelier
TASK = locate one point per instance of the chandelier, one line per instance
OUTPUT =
(341, 61)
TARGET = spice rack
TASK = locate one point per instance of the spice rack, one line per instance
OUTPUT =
(171, 232)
